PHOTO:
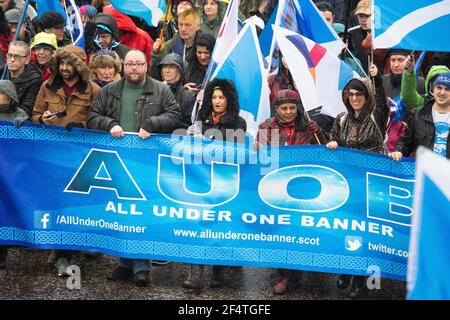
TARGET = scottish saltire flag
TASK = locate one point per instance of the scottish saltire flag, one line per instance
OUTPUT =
(318, 73)
(429, 259)
(245, 67)
(228, 33)
(302, 17)
(149, 10)
(49, 5)
(75, 24)
(414, 25)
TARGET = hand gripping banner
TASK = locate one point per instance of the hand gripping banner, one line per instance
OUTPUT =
(184, 199)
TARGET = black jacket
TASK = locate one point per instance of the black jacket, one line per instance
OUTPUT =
(420, 132)
(27, 87)
(108, 20)
(156, 109)
(185, 97)
(230, 120)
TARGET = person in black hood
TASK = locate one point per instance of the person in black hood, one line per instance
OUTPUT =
(24, 75)
(106, 36)
(171, 69)
(219, 113)
(198, 61)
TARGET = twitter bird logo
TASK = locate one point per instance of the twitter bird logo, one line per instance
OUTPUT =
(353, 243)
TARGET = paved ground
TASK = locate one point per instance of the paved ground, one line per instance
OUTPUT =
(29, 276)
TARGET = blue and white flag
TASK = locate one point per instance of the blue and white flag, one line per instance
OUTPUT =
(44, 6)
(302, 17)
(75, 24)
(429, 260)
(414, 25)
(320, 76)
(228, 33)
(245, 67)
(149, 10)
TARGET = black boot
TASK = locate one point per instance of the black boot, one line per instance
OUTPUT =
(358, 287)
(217, 280)
(194, 280)
(344, 281)
(3, 254)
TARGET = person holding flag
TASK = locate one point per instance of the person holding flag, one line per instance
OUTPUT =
(54, 22)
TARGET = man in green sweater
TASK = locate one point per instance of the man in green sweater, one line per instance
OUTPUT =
(136, 103)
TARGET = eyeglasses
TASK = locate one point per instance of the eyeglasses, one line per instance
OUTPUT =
(15, 56)
(136, 64)
(356, 94)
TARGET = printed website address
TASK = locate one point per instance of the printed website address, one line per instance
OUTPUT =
(231, 235)
(100, 223)
(385, 249)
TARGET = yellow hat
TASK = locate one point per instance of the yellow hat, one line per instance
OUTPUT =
(44, 40)
(363, 8)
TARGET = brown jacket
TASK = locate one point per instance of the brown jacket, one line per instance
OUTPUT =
(368, 130)
(51, 96)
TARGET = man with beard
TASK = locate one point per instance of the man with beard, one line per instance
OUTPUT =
(136, 103)
(392, 83)
(64, 100)
(393, 80)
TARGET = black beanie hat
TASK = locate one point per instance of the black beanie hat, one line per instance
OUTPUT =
(357, 85)
(400, 52)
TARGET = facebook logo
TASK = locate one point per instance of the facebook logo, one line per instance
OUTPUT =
(42, 220)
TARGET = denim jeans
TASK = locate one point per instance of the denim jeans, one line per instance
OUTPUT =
(135, 264)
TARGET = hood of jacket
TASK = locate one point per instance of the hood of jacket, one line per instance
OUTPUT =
(174, 59)
(108, 20)
(123, 21)
(9, 89)
(77, 58)
(432, 74)
(370, 105)
(229, 92)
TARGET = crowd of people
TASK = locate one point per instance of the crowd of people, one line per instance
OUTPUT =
(134, 78)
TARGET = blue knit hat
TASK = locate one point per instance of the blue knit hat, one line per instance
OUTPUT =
(443, 80)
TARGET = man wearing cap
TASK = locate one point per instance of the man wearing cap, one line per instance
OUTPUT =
(361, 32)
(43, 46)
(106, 36)
(392, 86)
(393, 80)
(54, 22)
(24, 76)
(431, 124)
(13, 17)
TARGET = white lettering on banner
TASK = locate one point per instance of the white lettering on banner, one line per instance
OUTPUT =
(346, 224)
(121, 209)
(191, 213)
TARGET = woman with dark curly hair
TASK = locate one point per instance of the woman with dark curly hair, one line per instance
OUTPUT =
(219, 114)
(220, 119)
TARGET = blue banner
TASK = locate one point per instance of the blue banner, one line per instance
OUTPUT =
(185, 199)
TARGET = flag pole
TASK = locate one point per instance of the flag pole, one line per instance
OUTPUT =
(68, 20)
(307, 115)
(16, 35)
